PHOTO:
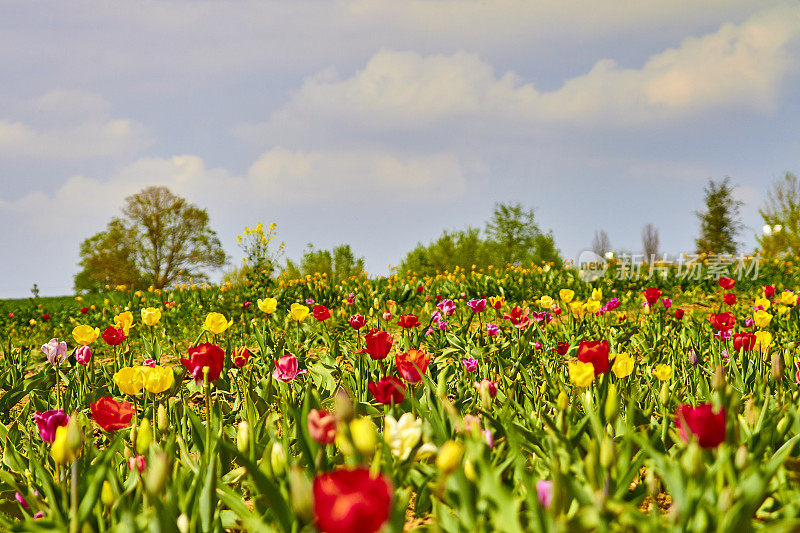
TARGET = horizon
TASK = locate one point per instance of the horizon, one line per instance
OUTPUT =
(309, 117)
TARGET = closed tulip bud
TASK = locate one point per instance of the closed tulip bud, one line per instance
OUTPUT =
(158, 472)
(107, 495)
(663, 395)
(718, 379)
(449, 457)
(606, 452)
(74, 435)
(783, 425)
(163, 420)
(144, 436)
(612, 405)
(563, 401)
(692, 461)
(243, 436)
(183, 523)
(301, 494)
(469, 470)
(778, 366)
(362, 431)
(127, 454)
(277, 459)
(742, 458)
(344, 406)
(725, 501)
(653, 485)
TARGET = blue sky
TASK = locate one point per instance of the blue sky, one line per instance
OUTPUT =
(380, 123)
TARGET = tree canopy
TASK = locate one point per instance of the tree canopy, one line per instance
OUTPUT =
(781, 215)
(720, 222)
(159, 240)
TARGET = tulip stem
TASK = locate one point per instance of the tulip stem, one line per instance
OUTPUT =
(207, 386)
(73, 522)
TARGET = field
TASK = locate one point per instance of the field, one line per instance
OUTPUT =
(515, 399)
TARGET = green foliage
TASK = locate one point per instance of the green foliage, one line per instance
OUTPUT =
(720, 221)
(781, 214)
(160, 240)
(338, 264)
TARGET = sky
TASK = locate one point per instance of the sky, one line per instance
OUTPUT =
(380, 123)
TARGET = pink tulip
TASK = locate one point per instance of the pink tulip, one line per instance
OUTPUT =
(286, 368)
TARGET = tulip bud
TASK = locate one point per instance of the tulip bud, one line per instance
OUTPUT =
(778, 366)
(157, 473)
(300, 494)
(663, 395)
(277, 459)
(563, 401)
(611, 406)
(107, 495)
(162, 419)
(183, 523)
(242, 436)
(144, 436)
(344, 406)
(606, 452)
(469, 470)
(725, 500)
(742, 458)
(449, 457)
(362, 431)
(692, 461)
(718, 379)
(74, 435)
(783, 425)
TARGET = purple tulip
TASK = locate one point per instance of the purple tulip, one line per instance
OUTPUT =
(544, 489)
(448, 307)
(55, 351)
(492, 329)
(667, 302)
(48, 422)
(83, 355)
(286, 368)
(470, 364)
(477, 306)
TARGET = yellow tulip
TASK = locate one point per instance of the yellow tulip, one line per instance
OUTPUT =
(623, 365)
(129, 379)
(362, 431)
(761, 318)
(545, 302)
(592, 306)
(566, 294)
(298, 311)
(151, 316)
(85, 335)
(449, 457)
(763, 341)
(597, 294)
(576, 307)
(268, 305)
(663, 372)
(788, 298)
(157, 379)
(124, 320)
(402, 435)
(216, 323)
(763, 302)
(581, 374)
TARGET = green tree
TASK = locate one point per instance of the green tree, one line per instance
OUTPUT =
(781, 215)
(516, 239)
(720, 221)
(339, 264)
(462, 248)
(160, 239)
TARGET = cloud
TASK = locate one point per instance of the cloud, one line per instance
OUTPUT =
(737, 66)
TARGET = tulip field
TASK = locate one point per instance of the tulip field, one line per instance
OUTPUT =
(513, 399)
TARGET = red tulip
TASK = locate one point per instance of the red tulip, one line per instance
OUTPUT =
(351, 501)
(379, 343)
(412, 364)
(322, 426)
(723, 321)
(744, 341)
(388, 389)
(562, 348)
(595, 352)
(726, 283)
(113, 336)
(84, 310)
(240, 356)
(204, 355)
(769, 291)
(679, 313)
(321, 312)
(420, 288)
(703, 423)
(729, 299)
(358, 321)
(408, 321)
(111, 415)
(518, 318)
(652, 295)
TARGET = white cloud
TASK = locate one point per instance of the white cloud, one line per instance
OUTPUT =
(737, 66)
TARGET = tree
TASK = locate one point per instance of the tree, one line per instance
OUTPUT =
(159, 240)
(720, 222)
(513, 230)
(462, 248)
(650, 241)
(601, 244)
(339, 264)
(781, 215)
